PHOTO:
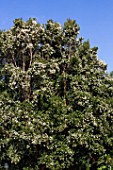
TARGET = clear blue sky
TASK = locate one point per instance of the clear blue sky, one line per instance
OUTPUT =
(95, 18)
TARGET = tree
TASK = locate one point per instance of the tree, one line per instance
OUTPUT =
(56, 100)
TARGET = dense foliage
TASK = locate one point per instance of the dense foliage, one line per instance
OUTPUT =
(56, 99)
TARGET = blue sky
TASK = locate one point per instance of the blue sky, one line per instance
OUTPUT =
(95, 18)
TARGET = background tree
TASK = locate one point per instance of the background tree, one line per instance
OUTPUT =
(56, 100)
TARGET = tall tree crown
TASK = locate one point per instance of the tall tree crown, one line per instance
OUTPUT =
(56, 100)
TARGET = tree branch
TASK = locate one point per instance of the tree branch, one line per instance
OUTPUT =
(14, 60)
(23, 62)
(31, 57)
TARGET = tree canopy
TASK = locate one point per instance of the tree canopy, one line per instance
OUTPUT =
(56, 99)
